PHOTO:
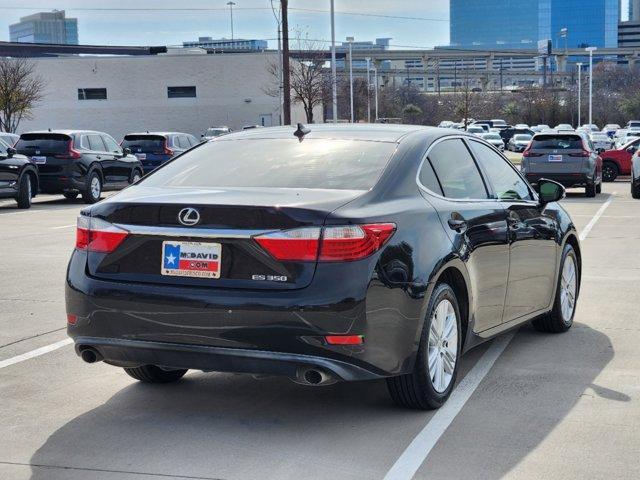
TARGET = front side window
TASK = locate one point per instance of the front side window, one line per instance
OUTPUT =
(95, 143)
(456, 170)
(507, 184)
(3, 148)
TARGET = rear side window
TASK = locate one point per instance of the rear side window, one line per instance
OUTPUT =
(278, 163)
(45, 143)
(3, 147)
(508, 185)
(110, 143)
(557, 142)
(456, 170)
(95, 143)
(183, 142)
(144, 143)
(428, 178)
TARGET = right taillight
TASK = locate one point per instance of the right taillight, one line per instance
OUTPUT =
(344, 243)
(97, 235)
(167, 150)
(71, 153)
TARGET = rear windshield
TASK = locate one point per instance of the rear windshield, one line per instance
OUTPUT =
(557, 142)
(522, 137)
(278, 163)
(144, 143)
(44, 143)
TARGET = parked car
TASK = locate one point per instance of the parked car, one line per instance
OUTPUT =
(521, 126)
(617, 161)
(519, 142)
(635, 176)
(633, 124)
(241, 267)
(9, 138)
(476, 130)
(591, 127)
(610, 129)
(508, 133)
(497, 123)
(155, 148)
(567, 158)
(445, 124)
(494, 139)
(18, 176)
(215, 132)
(563, 126)
(79, 161)
(601, 141)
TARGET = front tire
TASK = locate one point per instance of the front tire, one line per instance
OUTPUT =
(25, 192)
(135, 176)
(635, 189)
(436, 368)
(590, 190)
(153, 374)
(93, 190)
(609, 172)
(561, 316)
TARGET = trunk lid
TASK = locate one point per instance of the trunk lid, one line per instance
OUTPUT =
(47, 150)
(228, 220)
(553, 153)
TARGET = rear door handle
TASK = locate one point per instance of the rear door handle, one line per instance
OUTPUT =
(459, 225)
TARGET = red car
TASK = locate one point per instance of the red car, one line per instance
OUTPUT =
(618, 162)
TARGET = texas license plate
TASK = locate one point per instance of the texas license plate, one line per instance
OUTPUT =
(555, 158)
(191, 259)
(39, 160)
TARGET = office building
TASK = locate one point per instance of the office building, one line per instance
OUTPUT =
(520, 24)
(227, 45)
(629, 34)
(634, 10)
(45, 27)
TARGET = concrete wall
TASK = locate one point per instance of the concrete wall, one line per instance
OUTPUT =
(230, 91)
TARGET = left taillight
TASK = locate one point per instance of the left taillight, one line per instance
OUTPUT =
(97, 235)
(344, 243)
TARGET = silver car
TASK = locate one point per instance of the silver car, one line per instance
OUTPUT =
(494, 139)
(601, 141)
(519, 142)
(567, 158)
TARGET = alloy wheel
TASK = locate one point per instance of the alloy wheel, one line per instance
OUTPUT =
(568, 289)
(443, 345)
(95, 187)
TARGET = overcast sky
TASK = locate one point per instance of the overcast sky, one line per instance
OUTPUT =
(252, 19)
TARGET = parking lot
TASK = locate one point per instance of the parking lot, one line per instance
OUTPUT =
(551, 406)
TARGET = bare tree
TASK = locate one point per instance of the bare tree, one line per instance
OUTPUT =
(20, 90)
(308, 78)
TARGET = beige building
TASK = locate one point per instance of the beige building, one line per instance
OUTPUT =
(185, 90)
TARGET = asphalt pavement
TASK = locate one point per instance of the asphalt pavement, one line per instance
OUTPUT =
(530, 405)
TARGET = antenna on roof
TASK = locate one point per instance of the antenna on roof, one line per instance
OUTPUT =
(301, 131)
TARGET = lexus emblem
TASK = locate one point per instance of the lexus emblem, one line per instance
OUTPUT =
(189, 216)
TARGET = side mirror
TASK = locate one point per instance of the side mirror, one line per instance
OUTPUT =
(550, 191)
(126, 151)
(11, 152)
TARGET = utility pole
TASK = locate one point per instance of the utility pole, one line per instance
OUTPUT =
(350, 40)
(368, 59)
(286, 70)
(579, 65)
(375, 85)
(231, 4)
(334, 78)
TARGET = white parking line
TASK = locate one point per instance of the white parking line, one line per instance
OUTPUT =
(35, 353)
(415, 454)
(63, 226)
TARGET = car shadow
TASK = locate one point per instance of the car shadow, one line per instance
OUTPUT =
(225, 425)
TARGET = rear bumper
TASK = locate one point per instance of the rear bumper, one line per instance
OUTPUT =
(132, 353)
(566, 179)
(268, 331)
(60, 183)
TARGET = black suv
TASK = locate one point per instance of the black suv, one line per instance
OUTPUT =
(18, 176)
(79, 161)
(155, 148)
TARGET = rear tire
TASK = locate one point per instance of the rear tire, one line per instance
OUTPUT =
(599, 188)
(70, 195)
(635, 190)
(560, 318)
(609, 172)
(153, 374)
(25, 192)
(590, 190)
(93, 190)
(436, 368)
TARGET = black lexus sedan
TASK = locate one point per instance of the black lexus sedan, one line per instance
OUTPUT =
(18, 176)
(73, 162)
(329, 253)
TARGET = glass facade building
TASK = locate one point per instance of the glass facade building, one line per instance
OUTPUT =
(45, 27)
(519, 24)
(227, 44)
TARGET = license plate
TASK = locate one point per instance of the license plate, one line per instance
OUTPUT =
(39, 160)
(141, 156)
(191, 259)
(555, 158)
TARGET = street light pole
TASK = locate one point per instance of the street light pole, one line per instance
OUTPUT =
(231, 4)
(579, 65)
(350, 40)
(334, 79)
(368, 59)
(590, 50)
(375, 85)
